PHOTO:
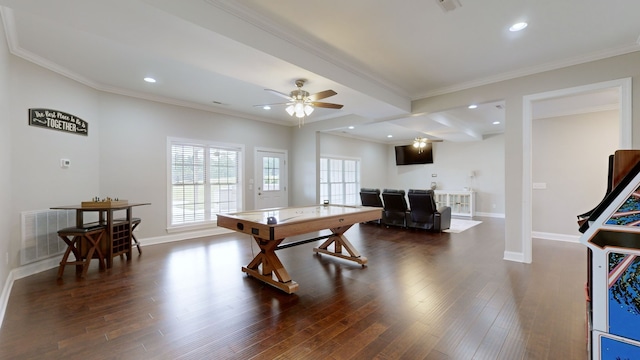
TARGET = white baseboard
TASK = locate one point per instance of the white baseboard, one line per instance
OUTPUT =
(514, 256)
(4, 298)
(519, 257)
(19, 273)
(40, 266)
(184, 236)
(486, 214)
(556, 237)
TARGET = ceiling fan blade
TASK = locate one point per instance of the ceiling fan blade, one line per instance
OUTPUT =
(274, 104)
(326, 105)
(321, 95)
(276, 92)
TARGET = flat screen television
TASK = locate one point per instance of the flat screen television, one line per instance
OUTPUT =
(408, 155)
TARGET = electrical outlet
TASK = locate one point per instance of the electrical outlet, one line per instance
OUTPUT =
(434, 175)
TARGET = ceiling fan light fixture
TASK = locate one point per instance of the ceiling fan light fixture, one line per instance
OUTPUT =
(308, 109)
(290, 110)
(299, 109)
(420, 144)
(301, 104)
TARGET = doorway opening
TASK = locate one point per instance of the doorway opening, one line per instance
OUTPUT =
(623, 86)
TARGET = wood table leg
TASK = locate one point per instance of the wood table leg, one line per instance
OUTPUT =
(267, 264)
(72, 244)
(340, 241)
(129, 218)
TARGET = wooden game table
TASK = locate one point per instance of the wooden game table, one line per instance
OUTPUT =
(119, 235)
(270, 227)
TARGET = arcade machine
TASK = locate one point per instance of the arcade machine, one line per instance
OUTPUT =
(611, 231)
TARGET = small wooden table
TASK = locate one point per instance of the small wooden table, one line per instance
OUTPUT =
(296, 221)
(119, 236)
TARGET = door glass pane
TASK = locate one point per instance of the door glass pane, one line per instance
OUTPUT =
(270, 173)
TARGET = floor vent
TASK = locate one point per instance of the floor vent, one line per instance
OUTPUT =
(40, 233)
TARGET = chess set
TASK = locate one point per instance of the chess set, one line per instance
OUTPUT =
(105, 202)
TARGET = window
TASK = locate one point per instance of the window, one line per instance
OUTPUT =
(270, 173)
(205, 181)
(339, 180)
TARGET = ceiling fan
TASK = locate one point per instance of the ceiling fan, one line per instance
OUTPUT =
(420, 143)
(300, 103)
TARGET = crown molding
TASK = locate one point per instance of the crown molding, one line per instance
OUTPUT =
(305, 43)
(16, 50)
(533, 70)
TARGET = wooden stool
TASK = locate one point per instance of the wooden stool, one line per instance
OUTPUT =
(84, 243)
(134, 224)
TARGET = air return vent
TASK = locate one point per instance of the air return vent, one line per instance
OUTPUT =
(40, 234)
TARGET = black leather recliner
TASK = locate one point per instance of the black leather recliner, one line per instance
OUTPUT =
(424, 213)
(395, 208)
(371, 197)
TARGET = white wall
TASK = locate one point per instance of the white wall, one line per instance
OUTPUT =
(513, 91)
(133, 142)
(124, 154)
(570, 156)
(37, 180)
(5, 176)
(452, 164)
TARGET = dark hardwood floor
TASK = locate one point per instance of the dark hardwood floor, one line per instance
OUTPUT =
(422, 296)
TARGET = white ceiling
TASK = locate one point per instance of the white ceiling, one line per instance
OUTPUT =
(378, 55)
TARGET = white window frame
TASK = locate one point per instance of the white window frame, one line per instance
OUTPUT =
(207, 223)
(341, 183)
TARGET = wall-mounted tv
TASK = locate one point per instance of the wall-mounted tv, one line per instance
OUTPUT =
(408, 155)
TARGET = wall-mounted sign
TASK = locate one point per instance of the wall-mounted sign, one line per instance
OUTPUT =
(58, 120)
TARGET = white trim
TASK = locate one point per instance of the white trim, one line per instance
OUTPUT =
(491, 215)
(257, 171)
(527, 195)
(19, 273)
(513, 256)
(6, 292)
(343, 159)
(340, 157)
(206, 143)
(555, 237)
(554, 65)
(184, 236)
(625, 121)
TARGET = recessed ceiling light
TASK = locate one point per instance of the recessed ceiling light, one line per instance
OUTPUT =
(473, 106)
(267, 107)
(149, 79)
(389, 136)
(496, 123)
(351, 127)
(518, 26)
